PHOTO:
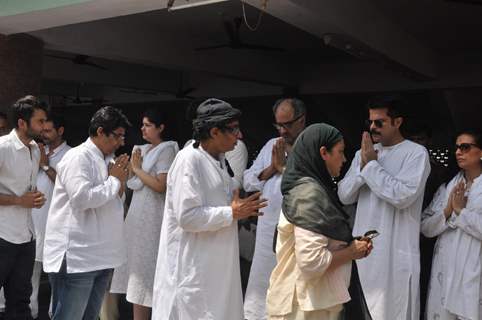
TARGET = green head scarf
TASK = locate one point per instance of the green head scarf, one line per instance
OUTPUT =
(309, 197)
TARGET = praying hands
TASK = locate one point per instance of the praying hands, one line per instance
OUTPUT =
(368, 152)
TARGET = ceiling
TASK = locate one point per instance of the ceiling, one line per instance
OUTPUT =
(146, 48)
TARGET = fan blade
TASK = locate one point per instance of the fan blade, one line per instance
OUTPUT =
(95, 65)
(260, 47)
(57, 57)
(185, 92)
(213, 47)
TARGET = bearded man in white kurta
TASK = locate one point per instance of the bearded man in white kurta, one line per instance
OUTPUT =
(388, 180)
(197, 275)
(265, 175)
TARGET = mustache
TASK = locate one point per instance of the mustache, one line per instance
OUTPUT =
(374, 132)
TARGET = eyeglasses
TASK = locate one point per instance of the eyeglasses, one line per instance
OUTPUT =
(287, 125)
(233, 130)
(465, 147)
(378, 123)
(118, 136)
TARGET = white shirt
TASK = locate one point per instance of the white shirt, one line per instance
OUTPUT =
(197, 275)
(86, 217)
(389, 192)
(18, 175)
(264, 259)
(46, 186)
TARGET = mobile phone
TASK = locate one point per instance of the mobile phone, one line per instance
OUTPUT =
(371, 234)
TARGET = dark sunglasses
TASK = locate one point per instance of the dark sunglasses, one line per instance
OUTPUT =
(287, 125)
(465, 147)
(232, 130)
(378, 123)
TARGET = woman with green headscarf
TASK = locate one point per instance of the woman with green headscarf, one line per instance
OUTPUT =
(315, 276)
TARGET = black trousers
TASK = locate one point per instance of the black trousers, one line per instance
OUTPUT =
(16, 267)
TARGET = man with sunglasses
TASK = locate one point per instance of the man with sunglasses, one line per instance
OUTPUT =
(197, 272)
(387, 181)
(265, 176)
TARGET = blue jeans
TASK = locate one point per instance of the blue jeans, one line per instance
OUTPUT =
(78, 296)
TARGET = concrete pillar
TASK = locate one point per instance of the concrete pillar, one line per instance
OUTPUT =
(20, 67)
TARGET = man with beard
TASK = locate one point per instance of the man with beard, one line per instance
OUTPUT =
(50, 155)
(19, 164)
(387, 179)
(265, 176)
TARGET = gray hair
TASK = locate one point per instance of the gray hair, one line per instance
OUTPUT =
(298, 106)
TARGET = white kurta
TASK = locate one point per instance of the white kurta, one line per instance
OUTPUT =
(264, 259)
(389, 192)
(455, 287)
(46, 186)
(197, 274)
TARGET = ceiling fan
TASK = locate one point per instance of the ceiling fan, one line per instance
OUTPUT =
(76, 100)
(79, 59)
(232, 30)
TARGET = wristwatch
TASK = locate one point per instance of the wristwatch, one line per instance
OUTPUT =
(45, 168)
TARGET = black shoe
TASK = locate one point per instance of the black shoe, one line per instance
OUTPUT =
(2, 315)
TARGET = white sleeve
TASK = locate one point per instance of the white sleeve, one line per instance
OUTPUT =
(311, 252)
(238, 160)
(349, 186)
(433, 218)
(83, 193)
(165, 160)
(404, 188)
(191, 214)
(251, 181)
(470, 218)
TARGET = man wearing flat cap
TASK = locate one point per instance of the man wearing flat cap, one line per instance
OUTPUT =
(197, 274)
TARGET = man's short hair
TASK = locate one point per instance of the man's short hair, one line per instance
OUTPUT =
(57, 119)
(24, 109)
(108, 118)
(298, 106)
(395, 105)
(3, 116)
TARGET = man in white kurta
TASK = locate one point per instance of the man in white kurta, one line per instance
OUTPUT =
(388, 180)
(198, 276)
(265, 175)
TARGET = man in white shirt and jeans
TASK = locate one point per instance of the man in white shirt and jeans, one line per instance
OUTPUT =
(50, 155)
(19, 163)
(84, 237)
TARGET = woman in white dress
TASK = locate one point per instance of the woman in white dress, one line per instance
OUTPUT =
(149, 166)
(455, 216)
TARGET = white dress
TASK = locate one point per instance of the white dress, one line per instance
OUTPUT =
(455, 283)
(389, 192)
(264, 259)
(143, 227)
(197, 274)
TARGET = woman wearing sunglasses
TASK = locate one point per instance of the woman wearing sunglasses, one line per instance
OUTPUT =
(455, 215)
